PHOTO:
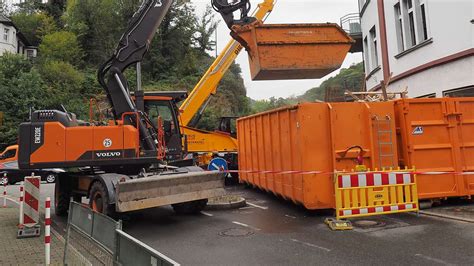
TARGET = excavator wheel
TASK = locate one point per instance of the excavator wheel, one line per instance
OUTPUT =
(62, 195)
(99, 200)
(192, 207)
(61, 200)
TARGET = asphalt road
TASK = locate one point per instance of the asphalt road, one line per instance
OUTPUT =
(271, 231)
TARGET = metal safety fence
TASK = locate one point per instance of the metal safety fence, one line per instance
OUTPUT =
(95, 239)
(375, 193)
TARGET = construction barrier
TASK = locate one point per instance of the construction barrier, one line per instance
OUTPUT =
(29, 208)
(31, 203)
(374, 193)
(22, 194)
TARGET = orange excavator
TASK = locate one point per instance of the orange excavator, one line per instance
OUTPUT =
(134, 162)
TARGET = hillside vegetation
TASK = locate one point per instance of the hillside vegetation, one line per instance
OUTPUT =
(332, 90)
(74, 37)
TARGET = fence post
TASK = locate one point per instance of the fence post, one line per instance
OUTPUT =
(47, 231)
(21, 203)
(68, 231)
(118, 226)
(5, 190)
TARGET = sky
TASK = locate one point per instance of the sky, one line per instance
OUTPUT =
(287, 11)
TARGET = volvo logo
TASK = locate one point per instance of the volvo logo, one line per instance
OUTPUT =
(113, 154)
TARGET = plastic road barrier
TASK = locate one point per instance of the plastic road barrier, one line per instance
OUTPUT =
(29, 208)
(374, 193)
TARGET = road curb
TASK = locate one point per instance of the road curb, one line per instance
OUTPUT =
(227, 205)
(428, 213)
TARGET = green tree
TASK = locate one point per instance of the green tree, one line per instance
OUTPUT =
(34, 26)
(21, 88)
(61, 46)
(97, 24)
(205, 29)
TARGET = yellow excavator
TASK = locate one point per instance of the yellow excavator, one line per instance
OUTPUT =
(223, 140)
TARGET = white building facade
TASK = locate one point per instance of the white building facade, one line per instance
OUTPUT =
(426, 46)
(12, 41)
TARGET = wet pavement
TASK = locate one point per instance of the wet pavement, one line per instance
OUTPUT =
(454, 210)
(272, 231)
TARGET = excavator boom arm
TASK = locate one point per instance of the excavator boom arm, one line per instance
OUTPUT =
(207, 86)
(132, 47)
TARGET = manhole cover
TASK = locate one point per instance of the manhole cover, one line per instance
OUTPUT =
(236, 232)
(368, 223)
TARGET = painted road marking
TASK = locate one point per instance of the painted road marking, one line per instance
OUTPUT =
(246, 225)
(310, 245)
(290, 216)
(433, 259)
(257, 206)
(207, 214)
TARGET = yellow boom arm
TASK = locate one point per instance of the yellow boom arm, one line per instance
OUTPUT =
(208, 84)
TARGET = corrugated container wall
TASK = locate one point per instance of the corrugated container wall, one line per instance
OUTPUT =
(314, 137)
(438, 135)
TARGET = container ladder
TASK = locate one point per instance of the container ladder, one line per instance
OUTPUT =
(384, 134)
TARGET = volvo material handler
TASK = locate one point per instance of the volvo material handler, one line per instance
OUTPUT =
(132, 163)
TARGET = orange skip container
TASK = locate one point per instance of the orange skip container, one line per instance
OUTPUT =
(313, 137)
(293, 51)
(438, 135)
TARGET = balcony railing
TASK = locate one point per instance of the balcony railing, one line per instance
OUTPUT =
(351, 24)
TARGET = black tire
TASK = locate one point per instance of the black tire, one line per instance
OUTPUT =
(99, 200)
(62, 197)
(191, 207)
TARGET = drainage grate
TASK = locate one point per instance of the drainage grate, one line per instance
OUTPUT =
(236, 232)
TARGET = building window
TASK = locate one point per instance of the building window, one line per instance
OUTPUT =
(366, 54)
(423, 21)
(29, 54)
(461, 92)
(411, 23)
(6, 34)
(399, 27)
(373, 51)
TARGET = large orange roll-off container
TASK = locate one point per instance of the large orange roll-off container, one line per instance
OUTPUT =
(293, 51)
(314, 137)
(438, 135)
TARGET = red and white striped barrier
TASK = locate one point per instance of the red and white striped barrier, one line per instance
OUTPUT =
(375, 179)
(20, 224)
(31, 203)
(5, 181)
(47, 231)
(381, 209)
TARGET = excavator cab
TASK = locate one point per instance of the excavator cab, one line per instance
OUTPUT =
(163, 105)
(228, 124)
